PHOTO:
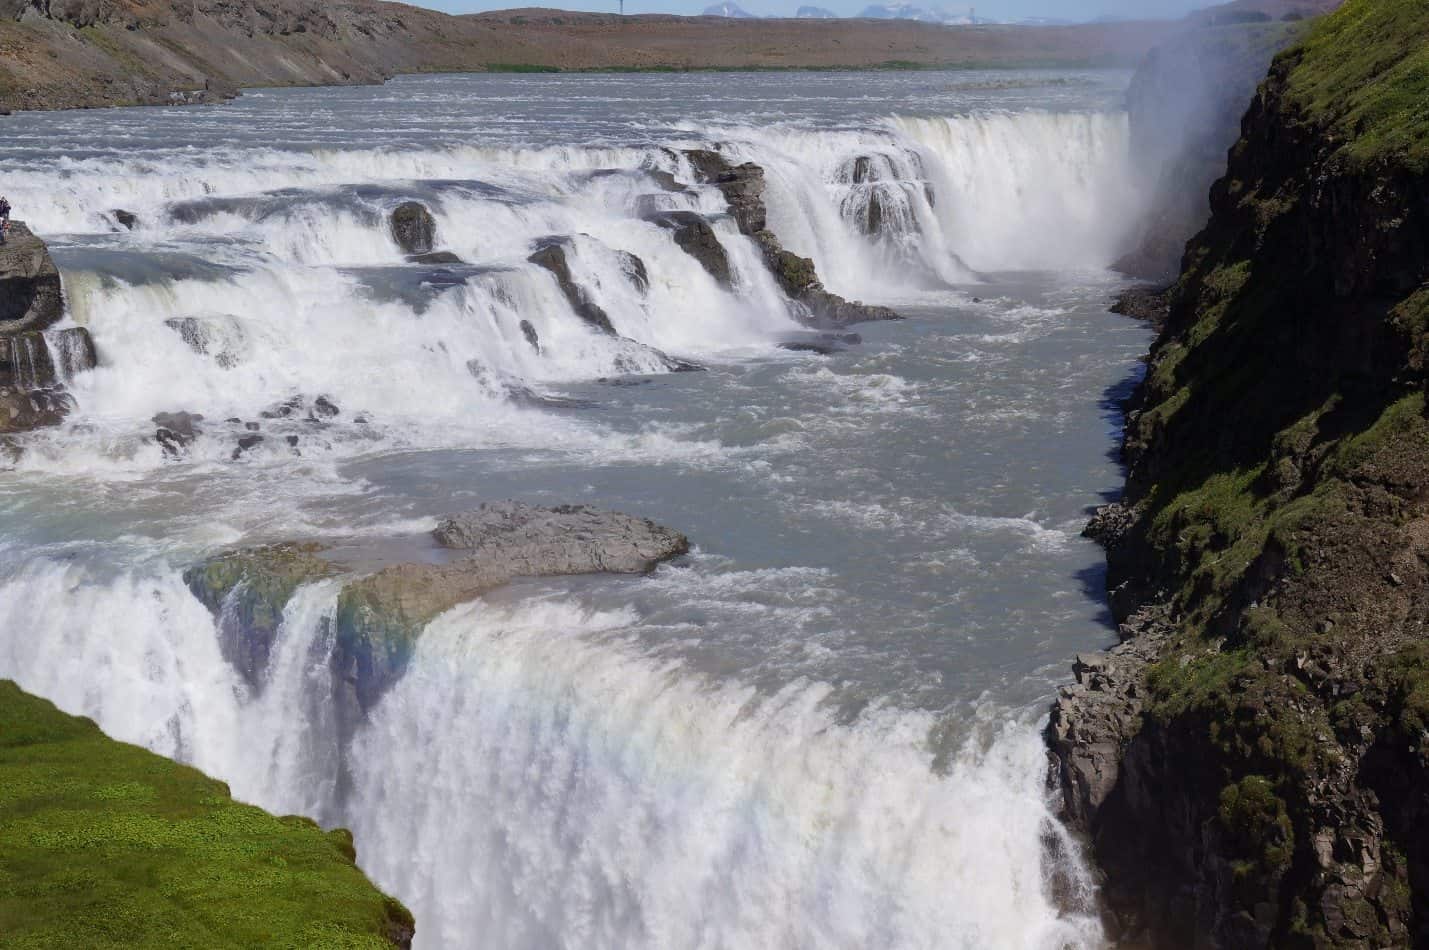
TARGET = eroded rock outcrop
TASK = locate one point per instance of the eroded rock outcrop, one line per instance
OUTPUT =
(383, 608)
(1252, 765)
(413, 228)
(36, 361)
(743, 188)
(552, 255)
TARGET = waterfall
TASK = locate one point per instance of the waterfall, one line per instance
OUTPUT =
(540, 780)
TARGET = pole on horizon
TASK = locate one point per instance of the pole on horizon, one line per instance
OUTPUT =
(622, 7)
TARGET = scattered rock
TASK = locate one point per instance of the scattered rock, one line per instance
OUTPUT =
(284, 410)
(324, 408)
(528, 330)
(126, 219)
(413, 228)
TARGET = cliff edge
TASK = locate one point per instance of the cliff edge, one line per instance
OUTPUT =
(1252, 764)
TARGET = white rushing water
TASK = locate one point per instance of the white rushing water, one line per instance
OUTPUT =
(537, 781)
(809, 738)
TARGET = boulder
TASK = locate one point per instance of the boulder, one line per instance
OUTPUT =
(30, 294)
(694, 236)
(126, 219)
(528, 330)
(551, 255)
(413, 228)
(176, 431)
(570, 539)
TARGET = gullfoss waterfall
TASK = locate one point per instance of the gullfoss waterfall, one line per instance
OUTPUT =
(820, 730)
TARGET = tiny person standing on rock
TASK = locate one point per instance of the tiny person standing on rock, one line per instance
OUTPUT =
(4, 218)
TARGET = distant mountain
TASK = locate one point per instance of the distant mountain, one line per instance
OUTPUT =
(815, 13)
(728, 9)
(902, 11)
(906, 11)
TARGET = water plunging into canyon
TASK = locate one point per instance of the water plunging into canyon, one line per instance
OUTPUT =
(817, 730)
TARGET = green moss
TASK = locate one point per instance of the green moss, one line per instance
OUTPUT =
(1257, 825)
(1402, 421)
(103, 844)
(1365, 70)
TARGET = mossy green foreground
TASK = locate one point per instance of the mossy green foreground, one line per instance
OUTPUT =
(103, 844)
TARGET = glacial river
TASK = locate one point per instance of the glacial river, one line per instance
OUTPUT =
(821, 729)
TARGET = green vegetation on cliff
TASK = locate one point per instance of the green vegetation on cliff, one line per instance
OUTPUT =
(104, 844)
(1366, 70)
(1279, 480)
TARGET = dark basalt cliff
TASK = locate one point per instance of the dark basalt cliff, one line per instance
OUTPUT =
(1252, 764)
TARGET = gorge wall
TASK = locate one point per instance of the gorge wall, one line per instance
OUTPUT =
(1252, 763)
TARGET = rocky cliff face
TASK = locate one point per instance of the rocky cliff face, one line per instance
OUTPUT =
(1252, 764)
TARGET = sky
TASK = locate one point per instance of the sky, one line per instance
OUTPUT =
(996, 9)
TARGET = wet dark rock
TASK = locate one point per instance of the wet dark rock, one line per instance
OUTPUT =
(694, 236)
(176, 431)
(435, 257)
(74, 351)
(528, 330)
(525, 396)
(30, 293)
(284, 410)
(324, 408)
(252, 426)
(38, 409)
(245, 443)
(665, 180)
(552, 255)
(26, 363)
(413, 228)
(1144, 303)
(220, 337)
(634, 270)
(741, 185)
(798, 277)
(810, 346)
(126, 219)
(292, 441)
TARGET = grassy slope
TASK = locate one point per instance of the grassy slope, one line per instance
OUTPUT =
(103, 844)
(1281, 466)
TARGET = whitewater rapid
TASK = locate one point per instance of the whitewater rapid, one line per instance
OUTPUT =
(823, 730)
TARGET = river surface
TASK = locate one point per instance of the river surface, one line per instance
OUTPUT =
(820, 730)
